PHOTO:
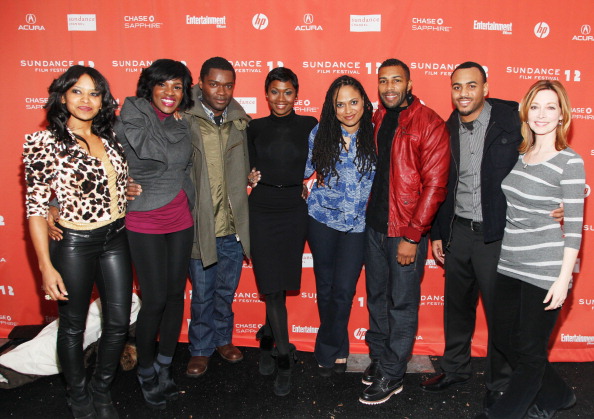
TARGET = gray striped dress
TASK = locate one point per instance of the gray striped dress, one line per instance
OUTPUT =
(532, 248)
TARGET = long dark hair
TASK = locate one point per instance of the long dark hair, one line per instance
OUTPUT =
(57, 112)
(162, 70)
(328, 141)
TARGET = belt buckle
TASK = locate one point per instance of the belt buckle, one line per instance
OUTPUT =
(475, 226)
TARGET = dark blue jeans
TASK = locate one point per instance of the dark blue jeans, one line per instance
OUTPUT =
(521, 331)
(338, 259)
(213, 290)
(393, 295)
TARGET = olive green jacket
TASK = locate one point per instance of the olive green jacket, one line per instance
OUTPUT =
(235, 172)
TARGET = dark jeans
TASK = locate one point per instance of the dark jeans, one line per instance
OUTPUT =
(393, 296)
(85, 258)
(470, 267)
(161, 262)
(521, 331)
(213, 290)
(338, 259)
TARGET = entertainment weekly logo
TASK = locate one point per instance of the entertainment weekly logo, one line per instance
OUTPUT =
(585, 34)
(588, 340)
(504, 28)
(216, 21)
(366, 23)
(304, 329)
(141, 22)
(429, 24)
(249, 104)
(78, 22)
(53, 66)
(31, 24)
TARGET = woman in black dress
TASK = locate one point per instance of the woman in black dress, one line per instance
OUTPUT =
(278, 146)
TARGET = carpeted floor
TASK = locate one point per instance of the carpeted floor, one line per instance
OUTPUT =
(238, 391)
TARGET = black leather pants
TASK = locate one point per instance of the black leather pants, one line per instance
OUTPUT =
(84, 258)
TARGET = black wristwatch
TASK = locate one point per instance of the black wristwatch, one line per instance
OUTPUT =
(411, 241)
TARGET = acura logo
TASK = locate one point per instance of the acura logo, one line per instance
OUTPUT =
(586, 29)
(30, 19)
(308, 18)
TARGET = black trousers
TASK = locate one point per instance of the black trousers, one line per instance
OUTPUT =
(161, 262)
(470, 268)
(85, 258)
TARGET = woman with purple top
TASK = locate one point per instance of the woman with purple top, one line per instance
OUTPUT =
(159, 221)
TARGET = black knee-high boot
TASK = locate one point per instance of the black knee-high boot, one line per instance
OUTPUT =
(267, 363)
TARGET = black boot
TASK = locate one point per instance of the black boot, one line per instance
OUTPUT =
(166, 384)
(267, 364)
(82, 407)
(102, 402)
(151, 392)
(282, 382)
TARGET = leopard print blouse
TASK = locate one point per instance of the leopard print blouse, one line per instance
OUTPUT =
(78, 179)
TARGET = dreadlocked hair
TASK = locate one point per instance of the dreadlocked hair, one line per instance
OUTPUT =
(328, 141)
(58, 115)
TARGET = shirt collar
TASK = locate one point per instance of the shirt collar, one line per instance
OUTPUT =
(211, 114)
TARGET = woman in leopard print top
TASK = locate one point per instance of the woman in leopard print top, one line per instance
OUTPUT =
(79, 160)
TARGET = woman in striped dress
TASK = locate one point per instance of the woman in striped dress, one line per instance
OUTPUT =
(537, 257)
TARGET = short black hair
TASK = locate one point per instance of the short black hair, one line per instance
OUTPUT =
(471, 64)
(282, 74)
(162, 70)
(393, 62)
(219, 63)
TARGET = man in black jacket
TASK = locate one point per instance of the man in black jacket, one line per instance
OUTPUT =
(467, 232)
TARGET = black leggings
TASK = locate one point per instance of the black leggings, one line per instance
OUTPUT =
(276, 320)
(161, 262)
(84, 258)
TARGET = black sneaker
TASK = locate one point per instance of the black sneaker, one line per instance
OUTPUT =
(536, 412)
(370, 372)
(380, 390)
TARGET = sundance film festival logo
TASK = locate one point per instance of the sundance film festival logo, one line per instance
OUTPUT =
(30, 24)
(308, 20)
(260, 21)
(53, 66)
(542, 30)
(585, 31)
(219, 22)
(82, 22)
(366, 23)
(504, 28)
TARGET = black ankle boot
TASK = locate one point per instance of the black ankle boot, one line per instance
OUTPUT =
(151, 392)
(166, 384)
(104, 407)
(267, 363)
(82, 408)
(282, 382)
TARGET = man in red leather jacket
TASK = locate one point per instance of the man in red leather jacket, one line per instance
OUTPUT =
(410, 183)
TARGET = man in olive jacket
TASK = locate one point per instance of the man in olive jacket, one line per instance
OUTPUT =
(220, 168)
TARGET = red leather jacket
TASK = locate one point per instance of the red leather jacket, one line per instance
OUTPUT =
(418, 169)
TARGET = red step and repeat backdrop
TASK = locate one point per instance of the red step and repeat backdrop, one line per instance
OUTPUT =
(320, 40)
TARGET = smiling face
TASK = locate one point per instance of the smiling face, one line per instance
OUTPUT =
(217, 89)
(468, 93)
(281, 96)
(83, 100)
(349, 107)
(393, 86)
(167, 95)
(544, 113)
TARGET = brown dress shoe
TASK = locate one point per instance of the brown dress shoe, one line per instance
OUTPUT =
(230, 353)
(197, 366)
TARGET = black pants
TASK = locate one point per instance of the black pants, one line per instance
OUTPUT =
(161, 262)
(84, 258)
(521, 331)
(470, 267)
